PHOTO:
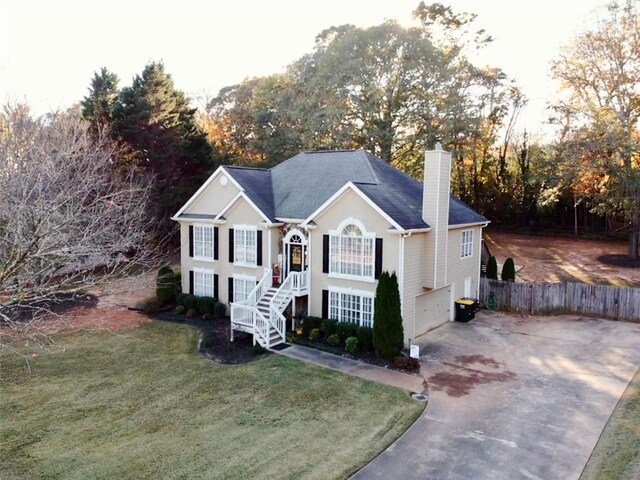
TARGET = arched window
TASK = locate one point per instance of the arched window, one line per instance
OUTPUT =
(352, 251)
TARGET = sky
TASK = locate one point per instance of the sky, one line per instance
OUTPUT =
(49, 49)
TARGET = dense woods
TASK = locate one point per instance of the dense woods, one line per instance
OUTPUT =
(396, 90)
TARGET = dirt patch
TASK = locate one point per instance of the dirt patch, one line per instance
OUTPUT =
(557, 259)
(463, 383)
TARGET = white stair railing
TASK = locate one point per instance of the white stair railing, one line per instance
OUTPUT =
(245, 312)
(299, 281)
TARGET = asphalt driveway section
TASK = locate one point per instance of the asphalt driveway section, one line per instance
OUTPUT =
(513, 397)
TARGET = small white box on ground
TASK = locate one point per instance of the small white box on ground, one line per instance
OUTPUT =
(414, 351)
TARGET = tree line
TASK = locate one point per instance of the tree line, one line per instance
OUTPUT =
(89, 193)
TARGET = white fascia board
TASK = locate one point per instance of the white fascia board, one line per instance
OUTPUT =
(290, 220)
(393, 231)
(199, 220)
(467, 225)
(339, 193)
(250, 202)
(211, 178)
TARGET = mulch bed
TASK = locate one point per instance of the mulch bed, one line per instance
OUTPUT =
(366, 357)
(215, 341)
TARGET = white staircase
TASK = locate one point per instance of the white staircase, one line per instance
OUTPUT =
(261, 312)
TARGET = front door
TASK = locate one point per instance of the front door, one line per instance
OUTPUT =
(295, 252)
(295, 258)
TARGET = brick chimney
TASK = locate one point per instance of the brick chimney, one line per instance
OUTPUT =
(435, 212)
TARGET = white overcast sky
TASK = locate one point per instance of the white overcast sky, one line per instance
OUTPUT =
(49, 49)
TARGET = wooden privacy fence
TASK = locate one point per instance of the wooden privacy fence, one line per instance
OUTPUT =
(618, 303)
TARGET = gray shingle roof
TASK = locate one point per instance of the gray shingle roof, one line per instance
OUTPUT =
(298, 186)
(257, 185)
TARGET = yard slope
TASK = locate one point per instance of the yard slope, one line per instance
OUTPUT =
(141, 403)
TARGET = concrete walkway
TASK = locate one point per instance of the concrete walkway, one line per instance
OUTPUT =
(513, 397)
(411, 383)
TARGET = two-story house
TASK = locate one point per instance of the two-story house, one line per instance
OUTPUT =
(316, 231)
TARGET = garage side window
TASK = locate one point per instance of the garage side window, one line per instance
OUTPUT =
(466, 243)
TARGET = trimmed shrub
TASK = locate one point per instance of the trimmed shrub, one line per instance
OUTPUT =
(180, 298)
(165, 285)
(346, 330)
(403, 363)
(492, 268)
(351, 344)
(190, 302)
(206, 305)
(365, 338)
(328, 327)
(309, 324)
(314, 335)
(333, 339)
(207, 316)
(509, 270)
(192, 312)
(388, 333)
(220, 310)
(258, 349)
(180, 309)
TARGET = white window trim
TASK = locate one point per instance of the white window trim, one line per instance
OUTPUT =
(205, 271)
(463, 245)
(365, 235)
(250, 228)
(246, 278)
(213, 242)
(355, 292)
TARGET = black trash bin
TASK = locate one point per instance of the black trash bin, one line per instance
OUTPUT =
(466, 309)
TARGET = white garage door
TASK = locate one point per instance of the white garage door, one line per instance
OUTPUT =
(433, 309)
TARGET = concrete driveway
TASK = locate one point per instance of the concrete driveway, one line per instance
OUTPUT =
(513, 398)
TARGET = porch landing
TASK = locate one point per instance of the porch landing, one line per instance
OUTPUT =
(405, 381)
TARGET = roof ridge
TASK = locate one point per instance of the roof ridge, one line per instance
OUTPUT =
(243, 167)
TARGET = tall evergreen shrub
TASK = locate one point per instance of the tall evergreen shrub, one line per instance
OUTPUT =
(492, 268)
(388, 333)
(509, 270)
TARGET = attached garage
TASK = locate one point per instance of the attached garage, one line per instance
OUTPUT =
(432, 309)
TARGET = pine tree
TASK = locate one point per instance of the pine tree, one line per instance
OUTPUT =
(156, 121)
(97, 107)
(388, 333)
(492, 268)
(509, 270)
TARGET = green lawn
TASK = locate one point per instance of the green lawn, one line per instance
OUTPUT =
(617, 454)
(143, 404)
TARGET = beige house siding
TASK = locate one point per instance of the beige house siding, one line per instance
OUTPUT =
(215, 197)
(349, 205)
(461, 268)
(414, 266)
(241, 213)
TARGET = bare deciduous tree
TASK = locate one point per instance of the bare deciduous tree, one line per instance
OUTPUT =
(69, 219)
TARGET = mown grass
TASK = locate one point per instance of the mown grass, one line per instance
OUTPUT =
(143, 404)
(617, 453)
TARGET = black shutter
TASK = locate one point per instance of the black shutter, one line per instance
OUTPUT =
(215, 243)
(325, 254)
(190, 282)
(191, 240)
(378, 268)
(230, 290)
(325, 303)
(231, 245)
(215, 286)
(259, 248)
